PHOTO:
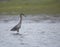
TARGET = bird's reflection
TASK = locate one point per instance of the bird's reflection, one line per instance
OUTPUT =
(16, 34)
(20, 38)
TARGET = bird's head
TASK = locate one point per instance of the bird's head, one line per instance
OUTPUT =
(21, 14)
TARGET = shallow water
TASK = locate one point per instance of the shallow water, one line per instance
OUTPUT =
(36, 31)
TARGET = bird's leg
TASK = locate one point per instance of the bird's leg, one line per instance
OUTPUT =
(18, 31)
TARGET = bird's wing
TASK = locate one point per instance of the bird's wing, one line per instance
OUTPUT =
(15, 28)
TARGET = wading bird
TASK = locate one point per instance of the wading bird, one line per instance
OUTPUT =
(18, 26)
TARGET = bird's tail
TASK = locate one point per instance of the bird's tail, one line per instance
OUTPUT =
(13, 29)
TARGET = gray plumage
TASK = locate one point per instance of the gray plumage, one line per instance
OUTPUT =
(18, 26)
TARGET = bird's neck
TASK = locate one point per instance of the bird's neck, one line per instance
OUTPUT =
(20, 20)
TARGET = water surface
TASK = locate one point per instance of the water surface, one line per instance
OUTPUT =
(36, 31)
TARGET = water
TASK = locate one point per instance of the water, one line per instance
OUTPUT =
(36, 31)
